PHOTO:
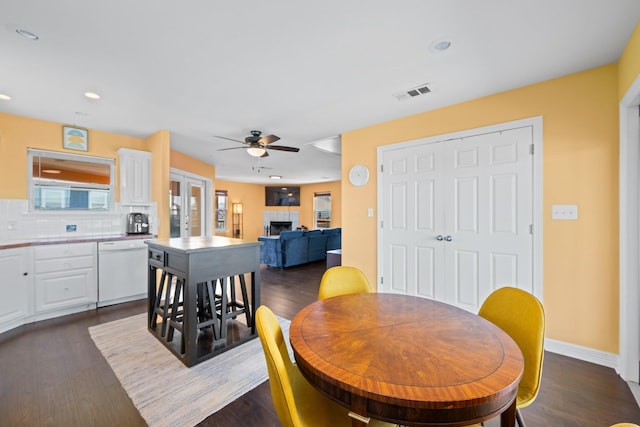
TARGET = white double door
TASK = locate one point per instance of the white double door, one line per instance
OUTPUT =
(457, 217)
(190, 210)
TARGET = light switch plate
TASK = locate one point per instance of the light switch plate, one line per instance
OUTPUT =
(564, 212)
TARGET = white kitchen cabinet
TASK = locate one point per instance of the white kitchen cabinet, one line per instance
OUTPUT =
(65, 276)
(15, 287)
(135, 177)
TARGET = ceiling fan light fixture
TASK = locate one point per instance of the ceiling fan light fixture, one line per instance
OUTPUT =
(256, 151)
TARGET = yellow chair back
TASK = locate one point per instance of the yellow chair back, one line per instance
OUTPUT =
(343, 280)
(296, 401)
(520, 315)
(279, 366)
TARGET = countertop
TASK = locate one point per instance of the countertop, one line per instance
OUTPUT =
(193, 244)
(78, 239)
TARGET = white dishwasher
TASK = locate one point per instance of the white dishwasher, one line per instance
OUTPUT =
(122, 271)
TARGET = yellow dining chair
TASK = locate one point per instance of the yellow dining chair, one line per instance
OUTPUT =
(343, 280)
(296, 402)
(521, 316)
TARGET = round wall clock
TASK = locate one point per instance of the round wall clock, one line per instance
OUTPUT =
(359, 175)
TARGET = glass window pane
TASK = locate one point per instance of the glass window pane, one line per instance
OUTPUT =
(322, 210)
(61, 181)
(221, 210)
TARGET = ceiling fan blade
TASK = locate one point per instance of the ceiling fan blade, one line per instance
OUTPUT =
(283, 148)
(265, 154)
(229, 139)
(232, 148)
(268, 139)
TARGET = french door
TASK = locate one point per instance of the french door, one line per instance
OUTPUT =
(190, 205)
(457, 217)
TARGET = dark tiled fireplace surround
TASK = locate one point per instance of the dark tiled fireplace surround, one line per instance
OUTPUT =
(275, 227)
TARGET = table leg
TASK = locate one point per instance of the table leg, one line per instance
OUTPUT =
(358, 407)
(358, 420)
(255, 298)
(508, 417)
(151, 292)
(189, 322)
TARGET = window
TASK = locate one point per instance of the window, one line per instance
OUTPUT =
(322, 210)
(61, 181)
(221, 210)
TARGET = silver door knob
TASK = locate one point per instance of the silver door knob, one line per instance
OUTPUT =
(448, 238)
(439, 237)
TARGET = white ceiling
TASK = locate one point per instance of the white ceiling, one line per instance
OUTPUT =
(303, 71)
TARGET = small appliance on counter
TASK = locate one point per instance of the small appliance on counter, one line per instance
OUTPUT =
(137, 223)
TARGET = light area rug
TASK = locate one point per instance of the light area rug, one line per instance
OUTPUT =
(167, 393)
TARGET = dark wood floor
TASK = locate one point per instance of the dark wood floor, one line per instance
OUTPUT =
(51, 374)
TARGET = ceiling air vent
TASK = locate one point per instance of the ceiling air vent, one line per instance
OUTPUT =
(412, 93)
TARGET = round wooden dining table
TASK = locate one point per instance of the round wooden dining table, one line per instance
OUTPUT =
(407, 360)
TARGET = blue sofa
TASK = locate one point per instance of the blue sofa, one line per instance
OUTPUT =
(299, 247)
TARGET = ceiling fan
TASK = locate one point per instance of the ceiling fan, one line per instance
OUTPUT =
(258, 145)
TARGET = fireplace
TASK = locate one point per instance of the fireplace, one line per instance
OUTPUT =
(275, 227)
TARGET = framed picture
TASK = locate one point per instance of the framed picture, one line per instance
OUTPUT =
(75, 138)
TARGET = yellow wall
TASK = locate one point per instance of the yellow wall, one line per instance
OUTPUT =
(18, 133)
(629, 64)
(252, 198)
(306, 202)
(580, 166)
(159, 145)
(189, 164)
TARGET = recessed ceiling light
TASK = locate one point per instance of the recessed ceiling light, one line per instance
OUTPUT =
(440, 45)
(27, 34)
(5, 97)
(92, 95)
(275, 177)
(443, 45)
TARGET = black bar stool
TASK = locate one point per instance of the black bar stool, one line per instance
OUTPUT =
(163, 303)
(207, 315)
(177, 316)
(227, 304)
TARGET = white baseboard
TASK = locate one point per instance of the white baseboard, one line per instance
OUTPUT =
(635, 390)
(598, 357)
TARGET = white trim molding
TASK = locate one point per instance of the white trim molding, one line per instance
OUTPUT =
(598, 357)
(629, 234)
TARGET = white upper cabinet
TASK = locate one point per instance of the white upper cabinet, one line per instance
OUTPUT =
(135, 177)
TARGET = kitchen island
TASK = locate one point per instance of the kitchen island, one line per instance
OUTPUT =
(200, 317)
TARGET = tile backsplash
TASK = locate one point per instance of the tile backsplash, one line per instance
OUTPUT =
(17, 224)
